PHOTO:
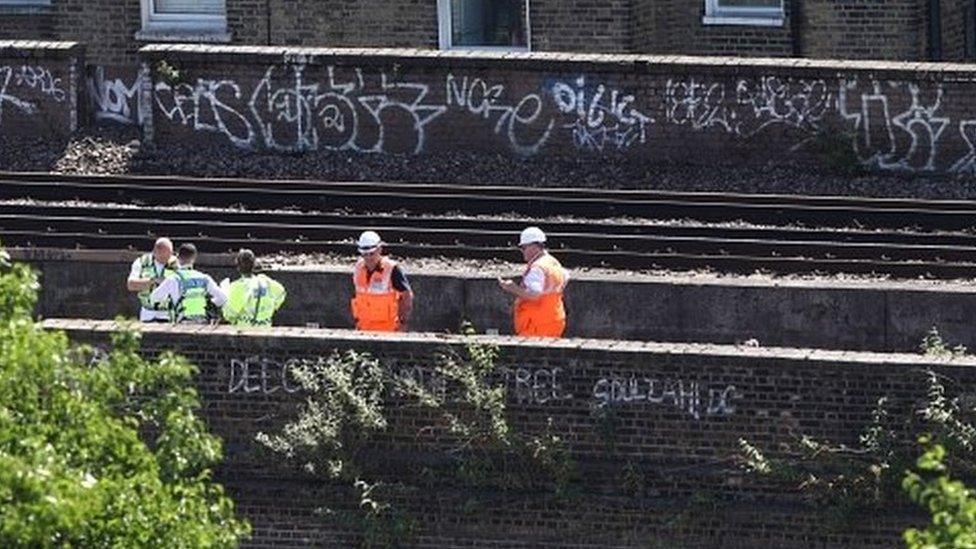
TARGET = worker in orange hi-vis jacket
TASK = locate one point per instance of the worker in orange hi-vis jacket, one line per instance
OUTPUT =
(384, 299)
(539, 310)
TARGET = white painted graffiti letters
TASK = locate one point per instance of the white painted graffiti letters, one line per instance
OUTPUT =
(261, 375)
(689, 396)
(604, 118)
(515, 122)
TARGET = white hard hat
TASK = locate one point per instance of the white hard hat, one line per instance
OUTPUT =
(532, 235)
(368, 241)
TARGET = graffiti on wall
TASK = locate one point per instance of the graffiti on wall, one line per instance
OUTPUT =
(888, 125)
(34, 81)
(262, 375)
(890, 137)
(749, 106)
(515, 120)
(525, 385)
(602, 118)
(113, 98)
(285, 112)
(352, 110)
(692, 397)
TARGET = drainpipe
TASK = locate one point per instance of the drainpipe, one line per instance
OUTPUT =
(267, 5)
(796, 13)
(935, 30)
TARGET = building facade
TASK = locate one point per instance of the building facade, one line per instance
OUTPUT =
(907, 30)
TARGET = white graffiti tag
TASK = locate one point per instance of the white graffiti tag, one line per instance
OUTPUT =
(697, 105)
(688, 396)
(205, 107)
(342, 115)
(801, 104)
(114, 99)
(905, 141)
(514, 120)
(604, 118)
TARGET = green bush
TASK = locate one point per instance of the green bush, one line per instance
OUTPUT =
(74, 470)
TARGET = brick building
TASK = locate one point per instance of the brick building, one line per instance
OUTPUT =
(854, 29)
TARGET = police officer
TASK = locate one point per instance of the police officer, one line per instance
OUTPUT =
(188, 290)
(384, 300)
(146, 274)
(251, 299)
(539, 310)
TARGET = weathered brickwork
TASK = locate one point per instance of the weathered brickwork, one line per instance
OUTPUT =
(865, 29)
(581, 25)
(392, 23)
(39, 88)
(675, 27)
(852, 29)
(884, 116)
(680, 411)
(957, 28)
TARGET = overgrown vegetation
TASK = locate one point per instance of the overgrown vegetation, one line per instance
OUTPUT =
(74, 471)
(168, 73)
(877, 471)
(935, 346)
(835, 149)
(466, 414)
(951, 504)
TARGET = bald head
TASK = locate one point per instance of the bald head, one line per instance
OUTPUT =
(163, 250)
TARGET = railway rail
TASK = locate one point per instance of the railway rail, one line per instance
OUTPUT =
(933, 238)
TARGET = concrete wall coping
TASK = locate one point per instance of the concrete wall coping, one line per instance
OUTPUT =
(610, 346)
(227, 260)
(44, 48)
(549, 61)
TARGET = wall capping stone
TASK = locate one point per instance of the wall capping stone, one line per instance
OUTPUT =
(551, 61)
(344, 337)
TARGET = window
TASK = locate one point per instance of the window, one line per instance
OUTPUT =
(13, 4)
(179, 18)
(744, 12)
(484, 24)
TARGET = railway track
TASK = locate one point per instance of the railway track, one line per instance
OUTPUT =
(939, 246)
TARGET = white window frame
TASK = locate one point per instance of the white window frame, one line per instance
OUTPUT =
(190, 23)
(763, 17)
(446, 31)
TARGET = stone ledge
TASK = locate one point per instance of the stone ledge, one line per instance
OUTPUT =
(823, 357)
(40, 48)
(550, 61)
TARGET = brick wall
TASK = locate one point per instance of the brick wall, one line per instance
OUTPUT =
(392, 23)
(39, 88)
(957, 21)
(884, 116)
(675, 27)
(680, 411)
(865, 29)
(853, 29)
(581, 25)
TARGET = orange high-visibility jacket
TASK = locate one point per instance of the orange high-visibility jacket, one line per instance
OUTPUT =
(377, 303)
(545, 315)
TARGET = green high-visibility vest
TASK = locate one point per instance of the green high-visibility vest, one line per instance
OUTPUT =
(148, 270)
(193, 295)
(253, 300)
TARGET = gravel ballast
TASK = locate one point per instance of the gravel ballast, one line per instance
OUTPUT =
(118, 150)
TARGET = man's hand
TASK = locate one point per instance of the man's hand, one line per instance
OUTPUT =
(508, 285)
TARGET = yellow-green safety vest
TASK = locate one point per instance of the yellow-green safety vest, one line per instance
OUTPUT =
(253, 300)
(148, 270)
(193, 296)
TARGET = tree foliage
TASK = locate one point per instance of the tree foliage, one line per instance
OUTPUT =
(951, 504)
(74, 470)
